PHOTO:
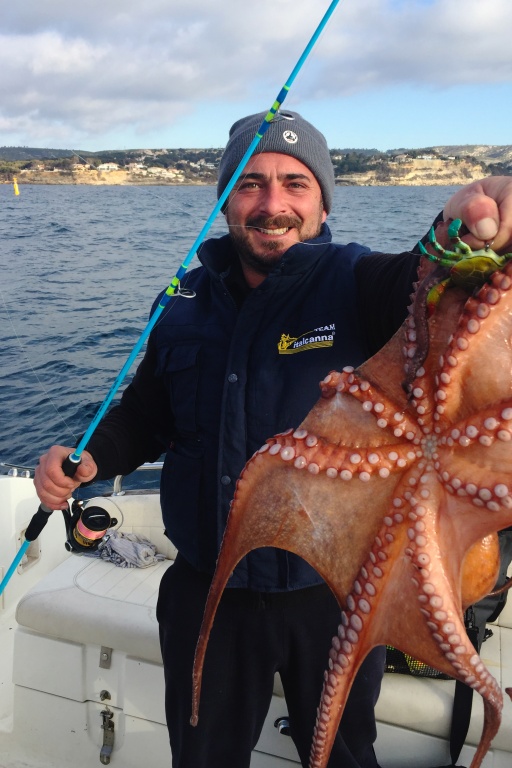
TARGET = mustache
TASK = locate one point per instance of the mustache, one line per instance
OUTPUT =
(274, 222)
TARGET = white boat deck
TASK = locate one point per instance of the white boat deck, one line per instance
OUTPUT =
(71, 610)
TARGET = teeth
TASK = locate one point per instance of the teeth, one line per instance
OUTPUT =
(274, 231)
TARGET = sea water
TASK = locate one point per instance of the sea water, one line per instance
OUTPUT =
(81, 266)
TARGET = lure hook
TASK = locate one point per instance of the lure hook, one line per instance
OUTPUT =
(185, 293)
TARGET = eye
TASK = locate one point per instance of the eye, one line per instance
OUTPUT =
(299, 183)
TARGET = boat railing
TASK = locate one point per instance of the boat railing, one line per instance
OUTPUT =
(17, 470)
(118, 480)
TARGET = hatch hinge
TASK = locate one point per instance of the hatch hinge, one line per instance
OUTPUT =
(107, 727)
(105, 657)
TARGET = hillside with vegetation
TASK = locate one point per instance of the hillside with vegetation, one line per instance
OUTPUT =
(370, 167)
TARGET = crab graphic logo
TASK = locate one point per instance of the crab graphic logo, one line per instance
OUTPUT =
(290, 137)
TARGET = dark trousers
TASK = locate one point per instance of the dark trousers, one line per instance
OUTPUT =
(255, 635)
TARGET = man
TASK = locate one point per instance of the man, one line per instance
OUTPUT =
(224, 371)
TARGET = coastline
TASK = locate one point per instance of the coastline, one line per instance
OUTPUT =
(417, 173)
(411, 173)
(99, 178)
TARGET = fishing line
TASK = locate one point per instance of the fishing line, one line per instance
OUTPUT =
(149, 190)
(23, 347)
(46, 394)
(74, 458)
(34, 372)
(183, 292)
(69, 466)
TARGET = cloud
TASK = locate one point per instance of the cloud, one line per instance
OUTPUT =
(438, 44)
(81, 73)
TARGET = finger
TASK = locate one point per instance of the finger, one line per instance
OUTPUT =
(503, 240)
(485, 207)
(52, 496)
(87, 469)
(52, 485)
(44, 482)
(481, 216)
(478, 212)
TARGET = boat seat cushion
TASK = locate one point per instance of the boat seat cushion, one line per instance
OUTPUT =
(90, 601)
(426, 704)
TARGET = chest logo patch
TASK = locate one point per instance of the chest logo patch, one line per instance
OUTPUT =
(318, 337)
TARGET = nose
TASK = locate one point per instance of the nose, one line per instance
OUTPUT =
(272, 201)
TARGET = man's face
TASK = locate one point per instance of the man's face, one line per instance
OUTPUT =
(276, 203)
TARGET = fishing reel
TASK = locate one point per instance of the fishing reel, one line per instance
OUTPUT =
(85, 528)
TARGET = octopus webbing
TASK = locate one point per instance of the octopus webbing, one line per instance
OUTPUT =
(395, 499)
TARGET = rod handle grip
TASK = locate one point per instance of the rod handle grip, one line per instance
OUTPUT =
(38, 522)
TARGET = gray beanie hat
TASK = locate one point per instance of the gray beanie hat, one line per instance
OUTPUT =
(295, 137)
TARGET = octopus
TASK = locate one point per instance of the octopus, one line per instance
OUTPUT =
(395, 495)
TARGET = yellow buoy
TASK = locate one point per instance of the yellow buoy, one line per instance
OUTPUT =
(15, 185)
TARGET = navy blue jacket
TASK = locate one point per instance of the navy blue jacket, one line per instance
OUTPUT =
(231, 367)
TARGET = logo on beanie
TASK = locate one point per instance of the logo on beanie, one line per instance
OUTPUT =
(290, 137)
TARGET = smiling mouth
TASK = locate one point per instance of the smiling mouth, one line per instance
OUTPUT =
(274, 226)
(281, 231)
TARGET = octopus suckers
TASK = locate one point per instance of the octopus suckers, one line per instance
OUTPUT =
(492, 296)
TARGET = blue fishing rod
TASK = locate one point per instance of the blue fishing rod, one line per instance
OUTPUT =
(70, 465)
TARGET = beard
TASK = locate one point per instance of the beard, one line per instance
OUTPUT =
(264, 259)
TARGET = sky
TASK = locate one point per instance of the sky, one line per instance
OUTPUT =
(126, 74)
